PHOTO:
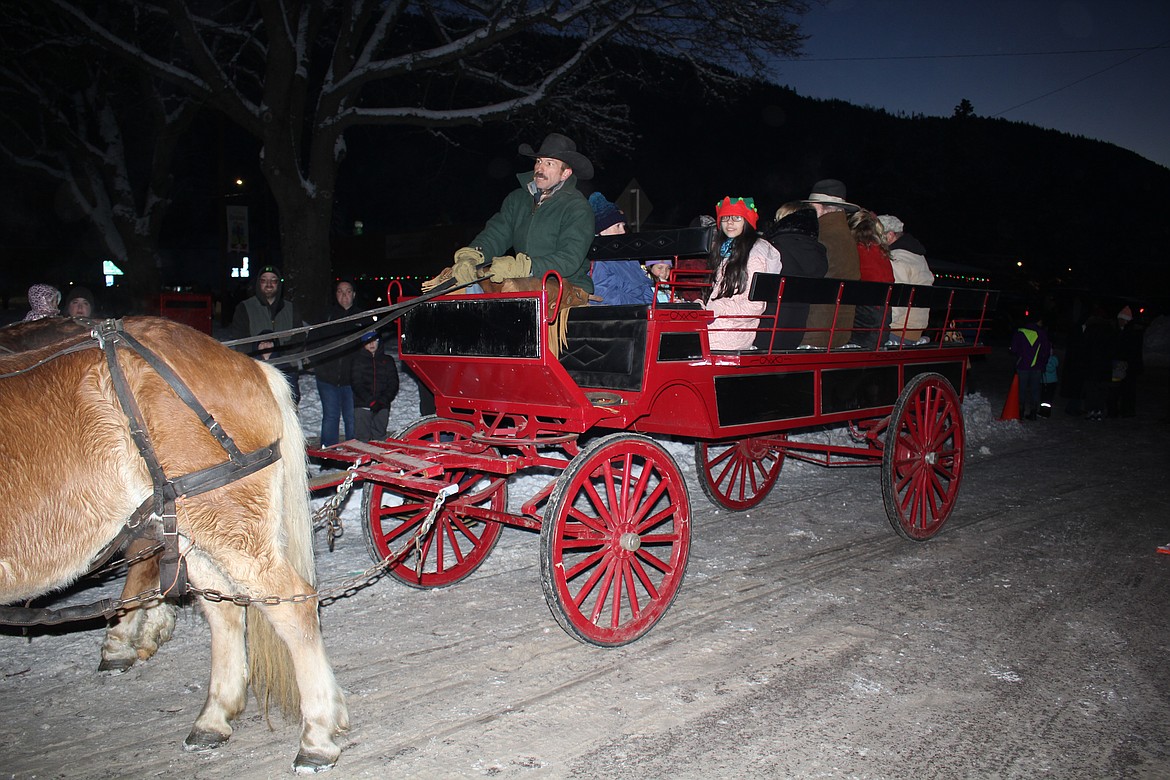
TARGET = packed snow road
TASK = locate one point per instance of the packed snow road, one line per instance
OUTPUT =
(1027, 639)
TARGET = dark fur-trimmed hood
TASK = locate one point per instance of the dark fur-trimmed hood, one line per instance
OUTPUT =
(803, 222)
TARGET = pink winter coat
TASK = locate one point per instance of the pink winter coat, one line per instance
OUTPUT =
(737, 312)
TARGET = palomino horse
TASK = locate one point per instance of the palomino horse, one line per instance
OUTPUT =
(73, 475)
(134, 635)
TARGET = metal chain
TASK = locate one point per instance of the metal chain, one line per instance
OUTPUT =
(325, 596)
(329, 513)
(126, 563)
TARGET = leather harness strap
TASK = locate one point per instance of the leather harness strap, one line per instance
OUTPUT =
(160, 505)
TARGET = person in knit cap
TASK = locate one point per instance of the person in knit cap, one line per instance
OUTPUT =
(738, 253)
(374, 378)
(268, 311)
(43, 300)
(833, 210)
(615, 282)
(78, 302)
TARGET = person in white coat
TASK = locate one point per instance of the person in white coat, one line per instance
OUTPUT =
(908, 258)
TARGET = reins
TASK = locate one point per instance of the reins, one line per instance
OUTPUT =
(396, 309)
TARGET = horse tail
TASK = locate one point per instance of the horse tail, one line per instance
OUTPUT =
(271, 667)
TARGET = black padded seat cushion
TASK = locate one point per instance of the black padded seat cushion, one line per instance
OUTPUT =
(606, 346)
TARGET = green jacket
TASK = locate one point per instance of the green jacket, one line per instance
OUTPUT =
(556, 235)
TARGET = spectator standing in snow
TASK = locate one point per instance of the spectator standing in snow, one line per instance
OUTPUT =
(1048, 381)
(1098, 349)
(374, 380)
(332, 369)
(1128, 365)
(1031, 348)
(78, 302)
(43, 300)
(269, 312)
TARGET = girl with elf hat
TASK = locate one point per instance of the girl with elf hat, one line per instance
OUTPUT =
(737, 254)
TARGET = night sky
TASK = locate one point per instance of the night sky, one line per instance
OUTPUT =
(901, 55)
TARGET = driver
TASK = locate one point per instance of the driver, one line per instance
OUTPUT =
(547, 222)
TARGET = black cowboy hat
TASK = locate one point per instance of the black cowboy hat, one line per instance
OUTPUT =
(561, 147)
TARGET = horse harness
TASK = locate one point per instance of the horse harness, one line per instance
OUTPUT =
(159, 507)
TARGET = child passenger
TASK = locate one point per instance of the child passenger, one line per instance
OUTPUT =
(738, 254)
(374, 378)
(659, 271)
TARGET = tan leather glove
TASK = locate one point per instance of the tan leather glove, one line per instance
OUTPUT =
(468, 253)
(431, 284)
(465, 271)
(508, 267)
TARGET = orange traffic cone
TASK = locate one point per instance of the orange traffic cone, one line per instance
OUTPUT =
(1011, 407)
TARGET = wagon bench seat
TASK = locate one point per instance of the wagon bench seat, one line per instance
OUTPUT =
(606, 346)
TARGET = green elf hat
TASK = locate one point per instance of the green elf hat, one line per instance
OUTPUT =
(744, 207)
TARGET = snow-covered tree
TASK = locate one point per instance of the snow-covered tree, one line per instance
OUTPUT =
(297, 74)
(102, 131)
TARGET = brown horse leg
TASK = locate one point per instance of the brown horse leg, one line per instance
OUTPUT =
(136, 635)
(323, 710)
(227, 691)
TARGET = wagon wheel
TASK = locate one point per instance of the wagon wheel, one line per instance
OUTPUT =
(454, 547)
(922, 459)
(738, 475)
(615, 539)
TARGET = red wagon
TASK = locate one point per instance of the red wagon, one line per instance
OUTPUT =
(615, 515)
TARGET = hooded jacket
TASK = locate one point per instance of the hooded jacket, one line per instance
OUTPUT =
(556, 233)
(619, 282)
(802, 255)
(908, 260)
(42, 300)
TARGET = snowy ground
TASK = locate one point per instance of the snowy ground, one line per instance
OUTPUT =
(1027, 640)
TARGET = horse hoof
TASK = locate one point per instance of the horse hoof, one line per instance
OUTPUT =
(309, 764)
(116, 665)
(198, 741)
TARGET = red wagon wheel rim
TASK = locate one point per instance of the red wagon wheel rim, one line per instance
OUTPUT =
(922, 461)
(454, 547)
(738, 475)
(615, 540)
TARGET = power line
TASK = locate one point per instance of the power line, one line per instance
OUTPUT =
(1078, 81)
(1140, 49)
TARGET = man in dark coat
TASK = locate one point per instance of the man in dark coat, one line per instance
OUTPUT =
(828, 198)
(332, 369)
(546, 221)
(268, 312)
